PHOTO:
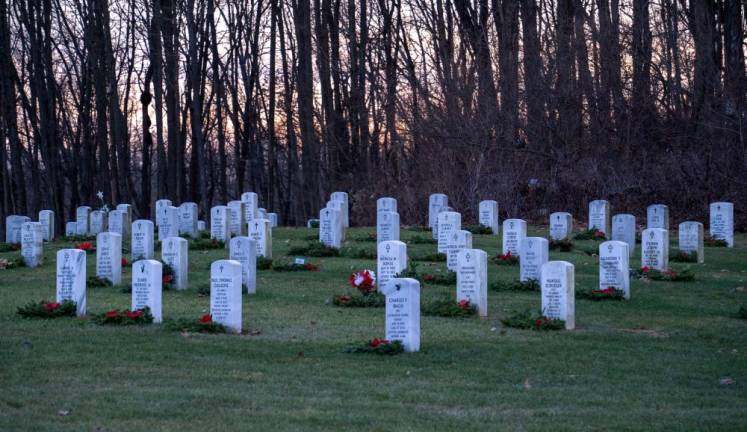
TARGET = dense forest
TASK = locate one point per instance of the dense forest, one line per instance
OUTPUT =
(542, 105)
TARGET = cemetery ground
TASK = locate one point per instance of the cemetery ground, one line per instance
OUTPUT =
(673, 357)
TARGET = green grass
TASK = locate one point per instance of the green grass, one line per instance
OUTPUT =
(651, 363)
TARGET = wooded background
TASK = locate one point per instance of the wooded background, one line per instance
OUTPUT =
(542, 105)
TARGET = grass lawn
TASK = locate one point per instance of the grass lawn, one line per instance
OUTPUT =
(652, 363)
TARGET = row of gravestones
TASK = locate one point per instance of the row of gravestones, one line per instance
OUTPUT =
(334, 218)
(227, 277)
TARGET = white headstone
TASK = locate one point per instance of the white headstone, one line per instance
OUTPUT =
(251, 203)
(261, 213)
(721, 224)
(174, 252)
(311, 222)
(691, 239)
(169, 225)
(109, 257)
(330, 227)
(99, 222)
(338, 206)
(391, 259)
(147, 287)
(244, 250)
(46, 217)
(201, 226)
(561, 226)
(448, 222)
(489, 215)
(657, 216)
(387, 226)
(13, 225)
(386, 204)
(514, 231)
(117, 222)
(273, 218)
(220, 228)
(614, 266)
(623, 229)
(32, 243)
(141, 243)
(236, 218)
(599, 216)
(437, 203)
(71, 229)
(460, 239)
(127, 224)
(472, 279)
(71, 278)
(82, 220)
(188, 219)
(558, 283)
(160, 214)
(225, 294)
(403, 312)
(345, 214)
(261, 232)
(535, 252)
(655, 249)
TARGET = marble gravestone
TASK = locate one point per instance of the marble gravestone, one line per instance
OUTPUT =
(448, 223)
(13, 226)
(657, 216)
(391, 260)
(147, 287)
(244, 250)
(141, 242)
(386, 204)
(472, 279)
(342, 197)
(534, 252)
(261, 232)
(174, 252)
(514, 231)
(32, 243)
(82, 220)
(614, 266)
(721, 226)
(127, 222)
(201, 227)
(623, 229)
(236, 217)
(117, 221)
(437, 203)
(99, 222)
(655, 249)
(691, 239)
(251, 204)
(558, 283)
(71, 278)
(403, 312)
(561, 226)
(488, 215)
(330, 227)
(311, 222)
(46, 218)
(188, 219)
(387, 226)
(458, 240)
(71, 229)
(109, 257)
(220, 228)
(338, 206)
(169, 225)
(225, 294)
(261, 213)
(160, 214)
(273, 218)
(599, 216)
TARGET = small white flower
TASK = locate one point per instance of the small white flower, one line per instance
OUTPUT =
(100, 194)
